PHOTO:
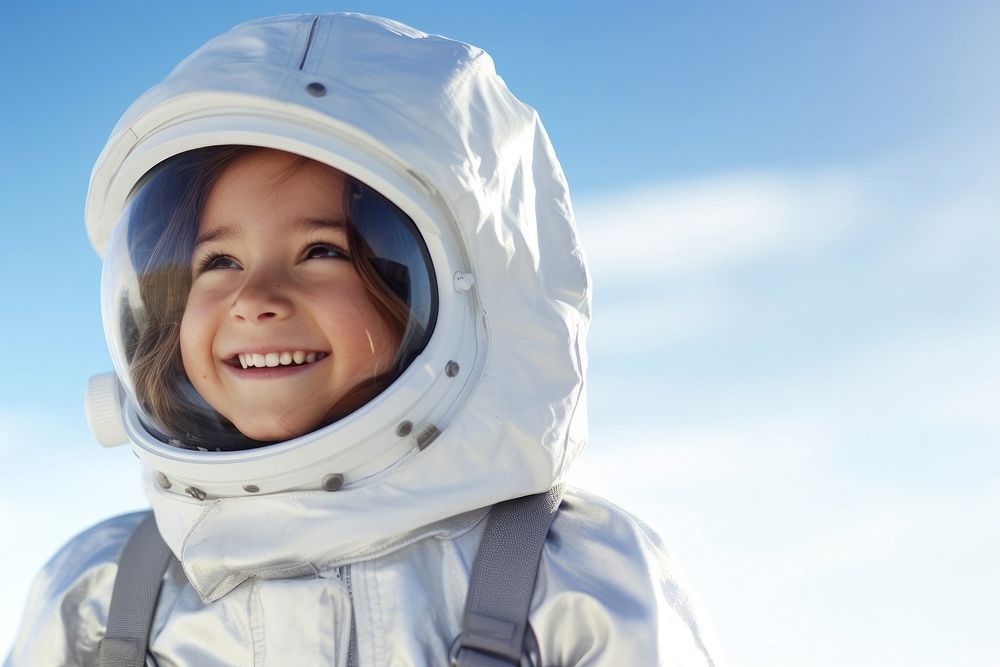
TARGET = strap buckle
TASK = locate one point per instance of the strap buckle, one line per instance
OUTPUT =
(457, 647)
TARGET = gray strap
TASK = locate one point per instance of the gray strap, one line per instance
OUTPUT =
(137, 585)
(503, 580)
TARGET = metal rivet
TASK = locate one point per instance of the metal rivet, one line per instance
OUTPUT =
(451, 370)
(463, 282)
(428, 433)
(162, 480)
(251, 488)
(333, 481)
(404, 428)
(195, 493)
(316, 89)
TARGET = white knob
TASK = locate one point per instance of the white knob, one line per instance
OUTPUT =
(464, 282)
(102, 403)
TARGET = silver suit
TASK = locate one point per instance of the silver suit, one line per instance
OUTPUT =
(608, 593)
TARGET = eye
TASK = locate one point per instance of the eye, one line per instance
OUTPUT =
(216, 260)
(324, 250)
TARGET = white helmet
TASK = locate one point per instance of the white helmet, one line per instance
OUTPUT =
(472, 230)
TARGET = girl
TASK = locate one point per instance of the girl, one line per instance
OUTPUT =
(347, 308)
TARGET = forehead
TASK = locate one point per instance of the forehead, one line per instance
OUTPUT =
(273, 186)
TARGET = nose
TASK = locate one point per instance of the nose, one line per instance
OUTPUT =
(260, 299)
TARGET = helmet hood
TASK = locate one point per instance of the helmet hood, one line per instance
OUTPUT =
(494, 405)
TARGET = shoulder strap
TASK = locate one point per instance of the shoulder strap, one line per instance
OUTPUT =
(496, 608)
(141, 566)
(503, 580)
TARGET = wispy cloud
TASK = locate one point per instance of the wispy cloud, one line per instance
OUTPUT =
(856, 482)
(846, 497)
(631, 320)
(714, 223)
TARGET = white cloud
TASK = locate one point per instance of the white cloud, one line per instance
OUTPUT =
(632, 322)
(946, 374)
(851, 491)
(955, 232)
(805, 501)
(649, 462)
(713, 223)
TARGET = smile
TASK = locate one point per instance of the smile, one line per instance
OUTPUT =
(275, 359)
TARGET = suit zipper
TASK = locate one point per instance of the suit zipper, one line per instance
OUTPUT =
(352, 647)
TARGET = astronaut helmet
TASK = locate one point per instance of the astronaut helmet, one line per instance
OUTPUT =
(336, 248)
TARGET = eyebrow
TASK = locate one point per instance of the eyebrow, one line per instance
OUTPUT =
(312, 224)
(221, 233)
(225, 233)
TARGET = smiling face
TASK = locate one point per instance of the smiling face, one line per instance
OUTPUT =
(278, 327)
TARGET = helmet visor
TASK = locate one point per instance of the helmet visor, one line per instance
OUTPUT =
(251, 296)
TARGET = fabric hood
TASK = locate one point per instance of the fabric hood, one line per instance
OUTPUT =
(429, 123)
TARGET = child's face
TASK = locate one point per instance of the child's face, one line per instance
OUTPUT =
(273, 283)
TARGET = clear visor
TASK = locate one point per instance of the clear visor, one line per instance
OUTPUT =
(251, 296)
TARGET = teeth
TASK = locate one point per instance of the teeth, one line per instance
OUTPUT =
(273, 359)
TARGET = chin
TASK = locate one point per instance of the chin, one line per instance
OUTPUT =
(269, 432)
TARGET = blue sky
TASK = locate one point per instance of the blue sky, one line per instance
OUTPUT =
(790, 209)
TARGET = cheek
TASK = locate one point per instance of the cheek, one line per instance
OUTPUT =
(187, 346)
(195, 338)
(350, 320)
(383, 335)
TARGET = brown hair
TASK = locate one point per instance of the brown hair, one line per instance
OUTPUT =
(162, 234)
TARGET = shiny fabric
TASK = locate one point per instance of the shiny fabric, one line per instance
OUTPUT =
(608, 593)
(376, 573)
